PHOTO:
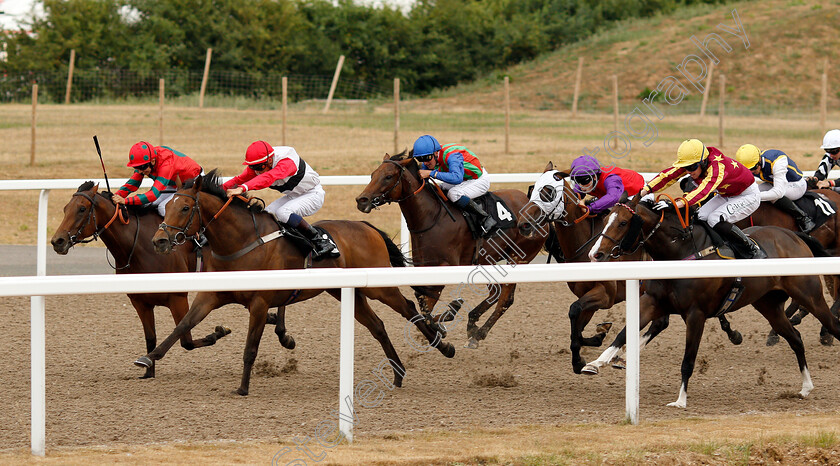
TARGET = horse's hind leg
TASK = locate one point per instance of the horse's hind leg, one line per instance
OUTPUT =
(815, 303)
(279, 322)
(427, 303)
(580, 313)
(179, 306)
(365, 316)
(503, 303)
(772, 311)
(656, 327)
(734, 336)
(773, 337)
(396, 301)
(147, 318)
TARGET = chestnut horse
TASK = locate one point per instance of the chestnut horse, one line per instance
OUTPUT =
(237, 236)
(91, 214)
(440, 238)
(668, 235)
(828, 235)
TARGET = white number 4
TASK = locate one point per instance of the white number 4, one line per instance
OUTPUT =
(503, 213)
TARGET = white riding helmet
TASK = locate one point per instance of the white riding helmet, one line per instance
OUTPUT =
(831, 140)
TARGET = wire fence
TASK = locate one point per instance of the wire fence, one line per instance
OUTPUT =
(110, 85)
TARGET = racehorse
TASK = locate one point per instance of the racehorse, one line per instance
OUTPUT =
(440, 238)
(828, 235)
(238, 239)
(91, 214)
(669, 235)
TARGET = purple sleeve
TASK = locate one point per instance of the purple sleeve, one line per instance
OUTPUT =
(615, 188)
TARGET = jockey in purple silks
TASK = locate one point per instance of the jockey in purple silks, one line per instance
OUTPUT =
(605, 184)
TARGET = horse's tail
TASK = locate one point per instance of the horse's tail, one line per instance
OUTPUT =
(816, 248)
(397, 258)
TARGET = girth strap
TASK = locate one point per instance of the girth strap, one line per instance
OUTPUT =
(256, 243)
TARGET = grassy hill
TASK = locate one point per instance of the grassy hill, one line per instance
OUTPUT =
(780, 72)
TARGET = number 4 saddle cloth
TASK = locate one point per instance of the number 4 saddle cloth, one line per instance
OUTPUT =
(497, 208)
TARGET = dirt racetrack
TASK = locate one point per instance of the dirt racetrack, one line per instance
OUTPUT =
(520, 375)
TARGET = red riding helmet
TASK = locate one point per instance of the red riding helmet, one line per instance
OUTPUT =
(141, 154)
(258, 152)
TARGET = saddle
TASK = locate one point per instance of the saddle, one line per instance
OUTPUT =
(496, 208)
(721, 247)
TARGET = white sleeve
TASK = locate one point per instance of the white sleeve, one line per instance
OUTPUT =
(780, 184)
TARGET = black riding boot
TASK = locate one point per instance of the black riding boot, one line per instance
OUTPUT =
(487, 222)
(322, 246)
(739, 241)
(803, 221)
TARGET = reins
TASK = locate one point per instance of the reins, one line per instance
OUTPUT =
(92, 217)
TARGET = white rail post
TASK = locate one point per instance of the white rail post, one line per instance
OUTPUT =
(345, 377)
(632, 383)
(38, 339)
(405, 237)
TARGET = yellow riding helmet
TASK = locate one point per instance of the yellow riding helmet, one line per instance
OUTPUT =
(691, 151)
(748, 155)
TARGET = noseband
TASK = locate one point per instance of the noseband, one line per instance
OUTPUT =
(384, 197)
(91, 217)
(181, 235)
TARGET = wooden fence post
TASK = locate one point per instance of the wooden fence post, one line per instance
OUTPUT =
(615, 112)
(160, 123)
(721, 109)
(507, 115)
(204, 78)
(396, 115)
(34, 110)
(334, 83)
(824, 96)
(578, 76)
(70, 76)
(708, 90)
(284, 84)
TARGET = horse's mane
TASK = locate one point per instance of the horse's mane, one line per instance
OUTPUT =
(407, 154)
(86, 186)
(211, 183)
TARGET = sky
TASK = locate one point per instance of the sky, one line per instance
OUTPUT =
(16, 10)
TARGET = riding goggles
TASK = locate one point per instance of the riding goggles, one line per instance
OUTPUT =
(258, 167)
(834, 151)
(143, 167)
(425, 158)
(582, 180)
(692, 167)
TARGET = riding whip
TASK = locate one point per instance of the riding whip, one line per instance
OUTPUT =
(99, 151)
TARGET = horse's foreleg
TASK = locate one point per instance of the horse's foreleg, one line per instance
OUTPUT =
(734, 336)
(656, 327)
(427, 303)
(504, 302)
(202, 305)
(258, 309)
(280, 328)
(695, 323)
(773, 337)
(396, 301)
(147, 318)
(580, 313)
(179, 306)
(366, 317)
(781, 324)
(649, 310)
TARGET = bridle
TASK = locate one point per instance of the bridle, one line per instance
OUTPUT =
(181, 235)
(118, 212)
(623, 247)
(384, 197)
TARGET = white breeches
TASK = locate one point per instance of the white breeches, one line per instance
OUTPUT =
(470, 188)
(304, 204)
(732, 208)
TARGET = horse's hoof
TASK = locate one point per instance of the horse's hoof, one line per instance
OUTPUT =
(827, 340)
(795, 320)
(287, 342)
(772, 339)
(150, 374)
(222, 330)
(241, 391)
(603, 327)
(398, 382)
(618, 363)
(736, 338)
(589, 369)
(447, 349)
(143, 361)
(471, 344)
(677, 404)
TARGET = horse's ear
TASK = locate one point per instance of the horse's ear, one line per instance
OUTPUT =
(178, 183)
(198, 180)
(95, 189)
(635, 201)
(387, 156)
(549, 167)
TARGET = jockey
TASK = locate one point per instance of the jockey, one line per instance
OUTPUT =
(782, 181)
(281, 168)
(738, 195)
(461, 175)
(605, 184)
(162, 164)
(831, 146)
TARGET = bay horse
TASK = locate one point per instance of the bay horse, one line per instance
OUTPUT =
(827, 234)
(670, 235)
(90, 215)
(237, 236)
(440, 238)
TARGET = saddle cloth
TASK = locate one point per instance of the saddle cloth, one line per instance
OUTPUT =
(497, 208)
(817, 207)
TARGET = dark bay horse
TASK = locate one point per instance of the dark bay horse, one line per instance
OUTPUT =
(91, 214)
(669, 235)
(554, 200)
(232, 228)
(440, 235)
(828, 235)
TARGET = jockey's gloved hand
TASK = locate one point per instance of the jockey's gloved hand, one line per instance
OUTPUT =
(590, 200)
(661, 205)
